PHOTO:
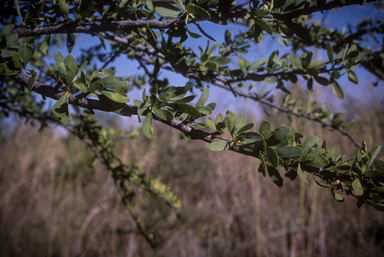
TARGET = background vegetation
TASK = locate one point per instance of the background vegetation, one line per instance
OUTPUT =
(54, 203)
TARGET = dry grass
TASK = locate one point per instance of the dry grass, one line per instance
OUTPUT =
(53, 204)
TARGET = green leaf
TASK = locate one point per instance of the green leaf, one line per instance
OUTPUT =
(179, 2)
(32, 79)
(337, 89)
(95, 86)
(204, 110)
(210, 123)
(379, 164)
(321, 80)
(166, 97)
(314, 153)
(272, 155)
(60, 108)
(17, 3)
(275, 176)
(310, 84)
(219, 118)
(278, 136)
(319, 161)
(179, 92)
(116, 97)
(149, 5)
(317, 65)
(263, 165)
(249, 137)
(356, 185)
(64, 7)
(167, 12)
(12, 39)
(378, 207)
(291, 174)
(148, 126)
(289, 152)
(203, 98)
(244, 64)
(185, 108)
(245, 128)
(352, 77)
(265, 129)
(211, 106)
(333, 152)
(256, 64)
(330, 52)
(68, 69)
(296, 61)
(301, 174)
(112, 82)
(25, 51)
(198, 11)
(151, 37)
(218, 146)
(16, 61)
(264, 26)
(240, 122)
(337, 196)
(186, 99)
(163, 114)
(374, 155)
(59, 58)
(220, 60)
(230, 121)
(309, 143)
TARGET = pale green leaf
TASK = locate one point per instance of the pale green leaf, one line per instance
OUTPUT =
(148, 126)
(218, 146)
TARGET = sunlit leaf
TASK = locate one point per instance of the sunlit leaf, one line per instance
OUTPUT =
(203, 98)
(116, 97)
(167, 12)
(148, 126)
(356, 185)
(64, 7)
(198, 11)
(337, 196)
(163, 114)
(218, 146)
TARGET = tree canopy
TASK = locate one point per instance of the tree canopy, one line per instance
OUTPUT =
(153, 33)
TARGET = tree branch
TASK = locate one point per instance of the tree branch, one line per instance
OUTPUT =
(97, 27)
(223, 83)
(51, 92)
(316, 8)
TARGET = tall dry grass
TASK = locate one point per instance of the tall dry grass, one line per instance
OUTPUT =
(53, 204)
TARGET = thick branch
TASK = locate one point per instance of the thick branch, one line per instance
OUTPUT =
(97, 27)
(52, 92)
